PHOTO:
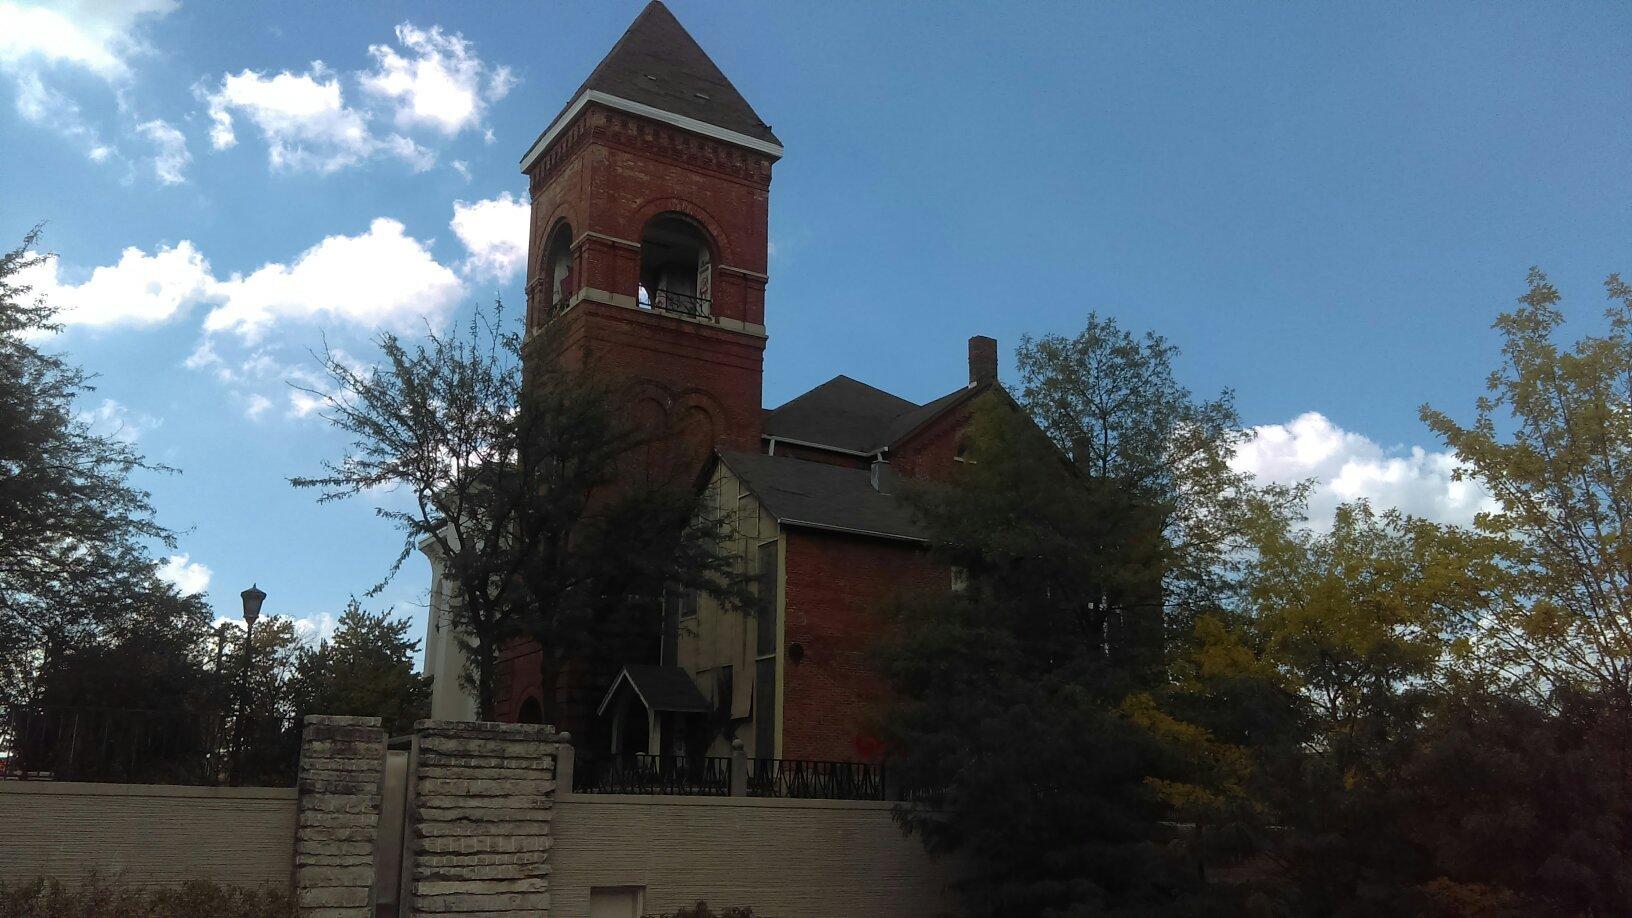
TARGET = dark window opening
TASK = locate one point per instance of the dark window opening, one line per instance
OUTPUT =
(676, 269)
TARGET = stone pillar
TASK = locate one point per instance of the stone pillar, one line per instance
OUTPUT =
(483, 799)
(341, 763)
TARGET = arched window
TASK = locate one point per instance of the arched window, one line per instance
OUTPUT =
(676, 267)
(531, 712)
(557, 269)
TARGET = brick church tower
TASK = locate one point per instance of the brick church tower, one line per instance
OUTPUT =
(646, 261)
(647, 250)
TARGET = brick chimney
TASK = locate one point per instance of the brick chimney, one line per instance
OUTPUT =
(982, 360)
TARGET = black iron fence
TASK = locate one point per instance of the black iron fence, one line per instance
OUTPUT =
(672, 775)
(682, 304)
(816, 780)
(710, 776)
(110, 744)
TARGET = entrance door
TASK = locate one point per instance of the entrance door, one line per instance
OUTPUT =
(615, 901)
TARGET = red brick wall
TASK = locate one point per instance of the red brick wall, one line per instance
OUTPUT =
(607, 175)
(838, 591)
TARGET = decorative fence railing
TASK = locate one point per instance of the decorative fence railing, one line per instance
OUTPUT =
(710, 776)
(815, 779)
(682, 304)
(672, 775)
(110, 744)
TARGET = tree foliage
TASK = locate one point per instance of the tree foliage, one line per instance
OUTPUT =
(1088, 516)
(75, 568)
(515, 479)
(1387, 716)
(367, 668)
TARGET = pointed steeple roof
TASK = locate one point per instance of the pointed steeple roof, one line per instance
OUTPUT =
(658, 64)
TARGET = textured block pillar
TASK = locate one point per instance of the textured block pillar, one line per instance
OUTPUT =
(483, 798)
(342, 760)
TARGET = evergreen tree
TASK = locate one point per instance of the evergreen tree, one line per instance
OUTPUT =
(366, 668)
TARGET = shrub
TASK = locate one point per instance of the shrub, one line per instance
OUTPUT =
(701, 910)
(95, 896)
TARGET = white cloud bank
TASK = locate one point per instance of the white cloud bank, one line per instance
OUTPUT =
(95, 35)
(494, 231)
(434, 82)
(141, 289)
(189, 577)
(439, 83)
(1348, 466)
(99, 37)
(305, 122)
(382, 278)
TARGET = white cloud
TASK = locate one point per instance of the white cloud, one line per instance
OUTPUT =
(495, 233)
(305, 121)
(139, 289)
(314, 628)
(112, 419)
(436, 82)
(187, 576)
(41, 104)
(96, 35)
(171, 157)
(381, 278)
(256, 406)
(1348, 466)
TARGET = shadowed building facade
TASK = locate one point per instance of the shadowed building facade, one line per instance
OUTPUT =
(648, 259)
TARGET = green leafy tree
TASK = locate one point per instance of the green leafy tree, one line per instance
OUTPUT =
(1096, 512)
(365, 668)
(1552, 442)
(524, 486)
(74, 531)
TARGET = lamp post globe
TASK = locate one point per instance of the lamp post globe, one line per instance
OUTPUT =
(253, 597)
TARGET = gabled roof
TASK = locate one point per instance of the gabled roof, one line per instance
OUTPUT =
(817, 495)
(852, 416)
(658, 64)
(661, 688)
(841, 413)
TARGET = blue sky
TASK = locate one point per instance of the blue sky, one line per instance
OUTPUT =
(1324, 207)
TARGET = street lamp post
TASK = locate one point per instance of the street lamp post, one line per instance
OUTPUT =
(252, 597)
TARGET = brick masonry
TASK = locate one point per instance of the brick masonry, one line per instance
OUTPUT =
(482, 805)
(839, 589)
(338, 812)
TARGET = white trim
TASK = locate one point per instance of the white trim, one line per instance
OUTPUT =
(826, 527)
(821, 446)
(656, 114)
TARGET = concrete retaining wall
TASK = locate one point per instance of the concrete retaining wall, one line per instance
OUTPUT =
(153, 834)
(783, 858)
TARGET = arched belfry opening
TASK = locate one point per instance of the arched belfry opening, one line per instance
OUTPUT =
(558, 265)
(676, 267)
(553, 286)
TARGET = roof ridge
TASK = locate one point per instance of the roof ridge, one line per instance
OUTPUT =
(657, 63)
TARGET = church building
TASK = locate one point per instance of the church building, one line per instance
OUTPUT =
(648, 254)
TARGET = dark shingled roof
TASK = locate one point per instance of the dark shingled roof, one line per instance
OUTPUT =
(840, 412)
(662, 688)
(815, 494)
(850, 415)
(658, 63)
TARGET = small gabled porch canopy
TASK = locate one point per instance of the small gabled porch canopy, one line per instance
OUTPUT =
(660, 688)
(665, 692)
